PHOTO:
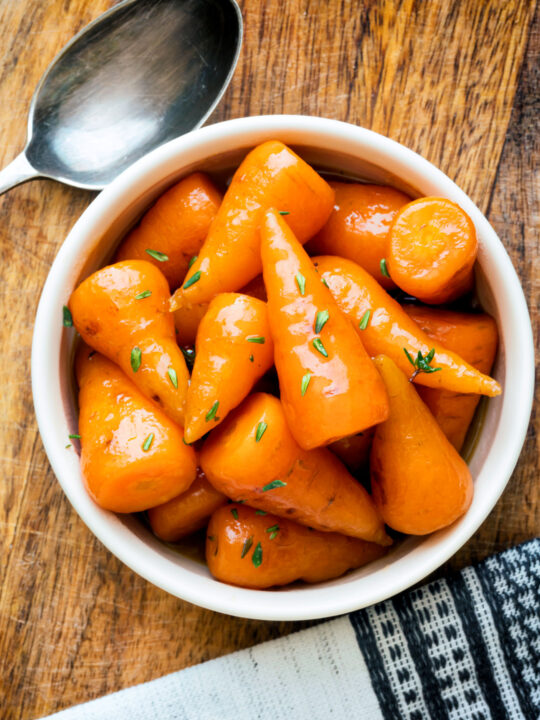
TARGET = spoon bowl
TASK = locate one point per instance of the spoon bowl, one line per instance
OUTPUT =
(141, 74)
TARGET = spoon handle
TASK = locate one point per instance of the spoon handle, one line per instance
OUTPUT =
(17, 172)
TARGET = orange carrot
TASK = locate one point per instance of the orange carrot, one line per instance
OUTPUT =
(132, 455)
(253, 457)
(329, 386)
(234, 349)
(271, 175)
(173, 230)
(357, 229)
(259, 551)
(187, 512)
(432, 247)
(121, 311)
(389, 330)
(474, 337)
(419, 482)
(354, 450)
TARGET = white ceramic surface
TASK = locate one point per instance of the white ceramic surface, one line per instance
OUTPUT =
(335, 146)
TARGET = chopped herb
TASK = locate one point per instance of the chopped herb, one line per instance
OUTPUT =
(234, 513)
(261, 512)
(147, 444)
(136, 359)
(161, 257)
(273, 536)
(189, 356)
(143, 294)
(68, 446)
(384, 269)
(364, 321)
(321, 320)
(67, 318)
(192, 280)
(274, 484)
(171, 372)
(323, 280)
(318, 345)
(421, 364)
(193, 259)
(305, 383)
(259, 340)
(211, 414)
(301, 282)
(284, 212)
(256, 558)
(251, 358)
(245, 548)
(261, 429)
(273, 531)
(74, 436)
(240, 502)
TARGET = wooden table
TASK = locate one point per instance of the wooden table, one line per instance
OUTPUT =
(454, 81)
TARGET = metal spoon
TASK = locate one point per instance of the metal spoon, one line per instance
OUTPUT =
(142, 73)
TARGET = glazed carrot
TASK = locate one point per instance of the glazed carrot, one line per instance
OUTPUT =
(475, 338)
(389, 330)
(187, 512)
(121, 311)
(432, 247)
(174, 229)
(234, 349)
(354, 450)
(357, 229)
(329, 387)
(132, 455)
(271, 175)
(419, 482)
(259, 551)
(253, 457)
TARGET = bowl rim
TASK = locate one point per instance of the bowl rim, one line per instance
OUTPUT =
(322, 600)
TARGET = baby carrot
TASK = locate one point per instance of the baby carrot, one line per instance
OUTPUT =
(259, 551)
(329, 386)
(475, 338)
(187, 512)
(122, 312)
(432, 247)
(419, 482)
(357, 229)
(234, 349)
(271, 175)
(132, 455)
(253, 457)
(386, 329)
(173, 230)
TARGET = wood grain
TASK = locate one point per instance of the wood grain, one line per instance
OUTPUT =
(454, 81)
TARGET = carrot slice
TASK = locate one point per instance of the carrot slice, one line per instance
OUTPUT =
(329, 387)
(271, 175)
(173, 230)
(432, 247)
(419, 482)
(260, 551)
(132, 455)
(385, 328)
(358, 227)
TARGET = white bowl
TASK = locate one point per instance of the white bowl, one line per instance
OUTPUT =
(335, 146)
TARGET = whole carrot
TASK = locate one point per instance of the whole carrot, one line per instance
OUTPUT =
(386, 329)
(271, 175)
(187, 512)
(329, 386)
(122, 312)
(253, 457)
(252, 550)
(419, 482)
(358, 227)
(132, 454)
(474, 337)
(432, 248)
(173, 230)
(234, 349)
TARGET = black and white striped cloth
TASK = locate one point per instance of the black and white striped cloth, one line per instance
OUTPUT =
(465, 648)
